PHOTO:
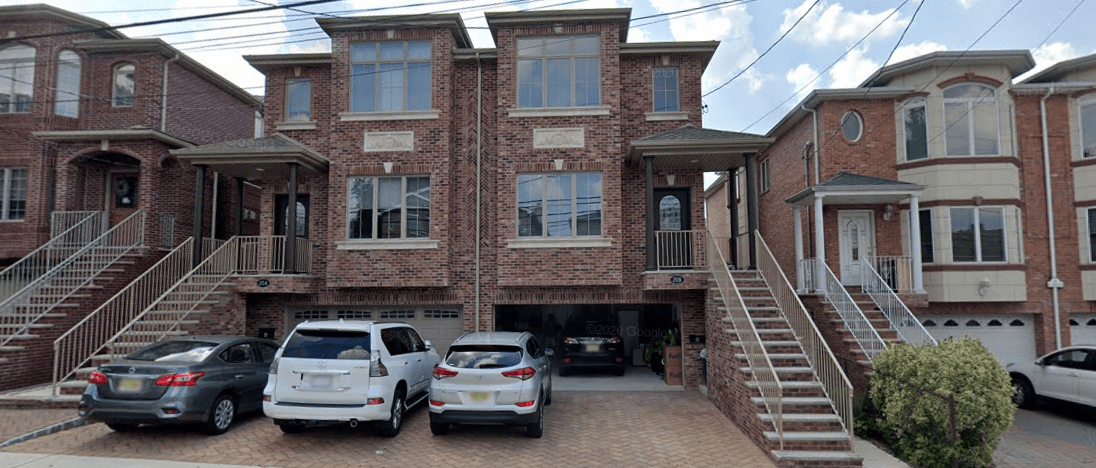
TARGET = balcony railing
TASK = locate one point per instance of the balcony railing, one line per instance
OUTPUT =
(62, 221)
(680, 250)
(896, 271)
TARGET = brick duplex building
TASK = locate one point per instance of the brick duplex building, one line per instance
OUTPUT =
(996, 171)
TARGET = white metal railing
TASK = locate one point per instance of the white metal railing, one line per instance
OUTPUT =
(896, 271)
(266, 254)
(79, 344)
(61, 221)
(900, 317)
(167, 231)
(826, 369)
(772, 391)
(60, 247)
(851, 315)
(680, 249)
(54, 286)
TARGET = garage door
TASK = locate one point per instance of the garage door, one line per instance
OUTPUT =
(441, 325)
(1083, 329)
(1011, 338)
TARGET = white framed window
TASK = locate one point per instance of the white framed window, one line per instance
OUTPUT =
(559, 205)
(852, 126)
(1087, 120)
(298, 100)
(13, 194)
(927, 254)
(915, 129)
(124, 85)
(970, 119)
(16, 79)
(978, 234)
(763, 176)
(1091, 212)
(388, 207)
(559, 71)
(390, 76)
(67, 100)
(666, 90)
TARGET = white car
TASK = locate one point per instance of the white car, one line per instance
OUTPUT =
(1068, 374)
(348, 371)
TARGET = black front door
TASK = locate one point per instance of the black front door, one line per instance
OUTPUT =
(672, 228)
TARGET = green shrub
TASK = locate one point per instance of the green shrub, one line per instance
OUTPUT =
(916, 422)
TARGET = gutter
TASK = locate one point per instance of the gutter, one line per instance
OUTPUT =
(163, 89)
(479, 176)
(814, 139)
(1055, 283)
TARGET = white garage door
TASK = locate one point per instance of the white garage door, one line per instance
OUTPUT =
(1083, 328)
(440, 325)
(1011, 338)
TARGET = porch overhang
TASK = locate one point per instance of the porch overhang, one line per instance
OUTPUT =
(111, 135)
(855, 189)
(256, 158)
(692, 147)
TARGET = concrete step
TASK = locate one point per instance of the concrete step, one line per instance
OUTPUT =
(816, 458)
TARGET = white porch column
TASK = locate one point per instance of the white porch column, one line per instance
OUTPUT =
(915, 244)
(819, 243)
(798, 249)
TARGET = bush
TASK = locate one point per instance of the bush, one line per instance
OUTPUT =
(916, 422)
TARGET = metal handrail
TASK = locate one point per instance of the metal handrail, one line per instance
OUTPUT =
(97, 255)
(761, 367)
(900, 317)
(85, 339)
(24, 272)
(61, 221)
(858, 325)
(680, 249)
(826, 369)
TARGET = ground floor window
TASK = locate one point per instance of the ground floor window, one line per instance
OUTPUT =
(978, 234)
(13, 193)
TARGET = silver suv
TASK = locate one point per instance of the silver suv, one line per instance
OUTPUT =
(492, 378)
(348, 371)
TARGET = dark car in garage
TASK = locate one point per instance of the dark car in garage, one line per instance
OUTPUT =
(590, 344)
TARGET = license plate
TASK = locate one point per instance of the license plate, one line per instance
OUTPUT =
(480, 396)
(593, 348)
(321, 381)
(129, 385)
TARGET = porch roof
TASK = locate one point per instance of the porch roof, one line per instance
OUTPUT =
(703, 149)
(257, 157)
(847, 188)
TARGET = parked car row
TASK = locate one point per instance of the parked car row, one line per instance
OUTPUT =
(326, 372)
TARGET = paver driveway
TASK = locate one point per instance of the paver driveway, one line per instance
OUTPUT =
(582, 429)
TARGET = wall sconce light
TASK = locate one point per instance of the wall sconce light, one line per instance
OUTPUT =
(888, 211)
(983, 287)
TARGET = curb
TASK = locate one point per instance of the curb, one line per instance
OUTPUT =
(61, 426)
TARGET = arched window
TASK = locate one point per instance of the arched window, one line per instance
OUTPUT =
(915, 129)
(970, 119)
(16, 79)
(67, 101)
(123, 84)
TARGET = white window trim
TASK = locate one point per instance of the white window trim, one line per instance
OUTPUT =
(1088, 100)
(544, 71)
(666, 116)
(970, 122)
(1089, 253)
(921, 102)
(978, 236)
(376, 225)
(389, 115)
(559, 242)
(287, 111)
(859, 122)
(15, 76)
(559, 111)
(114, 80)
(932, 234)
(574, 212)
(677, 88)
(61, 94)
(5, 193)
(406, 76)
(387, 244)
(298, 125)
(763, 182)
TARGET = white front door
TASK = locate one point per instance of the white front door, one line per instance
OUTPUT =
(857, 241)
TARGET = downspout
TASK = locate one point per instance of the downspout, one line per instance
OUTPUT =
(1054, 284)
(479, 175)
(163, 89)
(814, 139)
(213, 214)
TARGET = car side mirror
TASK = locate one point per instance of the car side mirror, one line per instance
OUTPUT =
(548, 352)
(428, 345)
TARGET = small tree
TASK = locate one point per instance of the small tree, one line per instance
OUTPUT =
(917, 422)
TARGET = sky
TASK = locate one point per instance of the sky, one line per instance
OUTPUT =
(771, 54)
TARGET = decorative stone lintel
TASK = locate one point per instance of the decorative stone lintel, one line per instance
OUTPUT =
(559, 138)
(308, 125)
(376, 142)
(559, 111)
(666, 116)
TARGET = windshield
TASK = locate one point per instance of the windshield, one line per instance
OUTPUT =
(178, 351)
(327, 344)
(483, 356)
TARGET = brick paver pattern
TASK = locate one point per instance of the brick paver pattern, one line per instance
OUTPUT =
(14, 423)
(589, 429)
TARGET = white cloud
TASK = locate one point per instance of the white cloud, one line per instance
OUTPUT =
(966, 4)
(638, 35)
(803, 79)
(831, 24)
(915, 50)
(853, 68)
(1049, 54)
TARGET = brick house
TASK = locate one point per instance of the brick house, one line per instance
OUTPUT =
(996, 172)
(87, 121)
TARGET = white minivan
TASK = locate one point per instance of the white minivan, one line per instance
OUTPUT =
(348, 371)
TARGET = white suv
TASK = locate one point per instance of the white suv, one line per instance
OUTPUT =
(348, 371)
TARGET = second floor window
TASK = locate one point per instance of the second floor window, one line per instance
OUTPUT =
(124, 85)
(763, 176)
(559, 205)
(970, 120)
(298, 96)
(978, 234)
(559, 71)
(665, 91)
(16, 79)
(1088, 126)
(67, 101)
(389, 207)
(13, 193)
(915, 129)
(927, 255)
(389, 76)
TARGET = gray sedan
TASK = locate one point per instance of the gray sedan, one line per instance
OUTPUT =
(201, 379)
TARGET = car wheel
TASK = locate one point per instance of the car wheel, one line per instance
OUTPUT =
(221, 415)
(536, 429)
(548, 397)
(439, 429)
(1022, 393)
(395, 419)
(122, 427)
(290, 427)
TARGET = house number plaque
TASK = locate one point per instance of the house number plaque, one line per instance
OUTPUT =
(262, 283)
(677, 279)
